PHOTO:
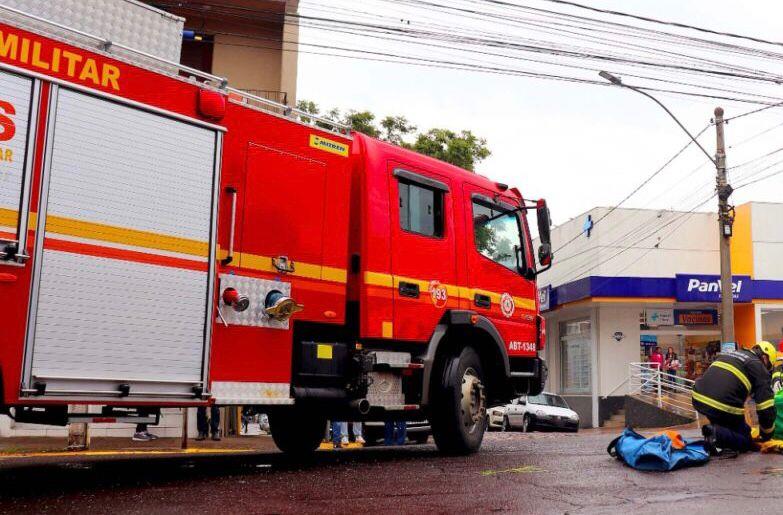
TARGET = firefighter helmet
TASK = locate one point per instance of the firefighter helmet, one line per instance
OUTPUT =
(768, 349)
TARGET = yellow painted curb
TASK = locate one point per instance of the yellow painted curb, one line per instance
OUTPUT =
(146, 452)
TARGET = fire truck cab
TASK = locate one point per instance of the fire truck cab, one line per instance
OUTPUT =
(166, 240)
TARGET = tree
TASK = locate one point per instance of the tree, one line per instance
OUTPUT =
(362, 121)
(462, 149)
(395, 128)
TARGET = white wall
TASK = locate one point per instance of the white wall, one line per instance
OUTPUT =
(170, 426)
(636, 243)
(767, 235)
(614, 356)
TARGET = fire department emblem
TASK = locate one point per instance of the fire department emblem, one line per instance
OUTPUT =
(507, 305)
(438, 294)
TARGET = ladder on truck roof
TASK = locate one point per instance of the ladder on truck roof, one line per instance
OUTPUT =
(220, 83)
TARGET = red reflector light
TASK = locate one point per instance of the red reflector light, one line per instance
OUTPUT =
(474, 319)
(211, 104)
(104, 420)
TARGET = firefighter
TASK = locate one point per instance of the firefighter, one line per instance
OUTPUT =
(777, 372)
(721, 393)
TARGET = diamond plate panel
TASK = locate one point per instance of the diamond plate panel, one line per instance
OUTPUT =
(230, 392)
(256, 290)
(127, 22)
(385, 389)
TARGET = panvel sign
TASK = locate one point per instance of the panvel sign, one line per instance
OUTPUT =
(707, 288)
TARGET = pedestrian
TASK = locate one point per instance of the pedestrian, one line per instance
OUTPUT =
(340, 434)
(142, 433)
(395, 432)
(206, 426)
(656, 359)
(671, 365)
(721, 393)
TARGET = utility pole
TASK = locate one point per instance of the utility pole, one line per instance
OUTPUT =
(725, 211)
(725, 222)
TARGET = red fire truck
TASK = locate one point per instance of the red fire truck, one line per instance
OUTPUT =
(169, 241)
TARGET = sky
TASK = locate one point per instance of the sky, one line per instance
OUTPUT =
(577, 145)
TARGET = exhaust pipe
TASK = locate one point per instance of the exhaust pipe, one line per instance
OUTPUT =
(361, 405)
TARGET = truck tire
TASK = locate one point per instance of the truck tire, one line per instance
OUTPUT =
(459, 412)
(296, 432)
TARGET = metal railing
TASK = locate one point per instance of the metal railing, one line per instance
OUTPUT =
(221, 83)
(669, 392)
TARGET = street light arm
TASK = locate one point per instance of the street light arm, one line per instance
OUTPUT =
(616, 81)
(686, 131)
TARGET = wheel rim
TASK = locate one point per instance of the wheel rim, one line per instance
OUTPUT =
(525, 423)
(473, 402)
(505, 423)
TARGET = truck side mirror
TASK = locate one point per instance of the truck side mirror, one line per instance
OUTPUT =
(544, 235)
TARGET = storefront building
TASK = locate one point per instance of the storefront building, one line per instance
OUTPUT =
(642, 279)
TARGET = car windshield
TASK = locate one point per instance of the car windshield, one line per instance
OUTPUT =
(537, 399)
(557, 401)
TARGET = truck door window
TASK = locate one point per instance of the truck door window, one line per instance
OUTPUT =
(421, 209)
(497, 235)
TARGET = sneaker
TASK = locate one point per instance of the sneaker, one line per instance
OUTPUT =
(142, 437)
(201, 437)
(215, 437)
(360, 440)
(151, 436)
(344, 442)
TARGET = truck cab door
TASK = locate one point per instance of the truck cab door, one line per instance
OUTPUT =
(498, 253)
(423, 257)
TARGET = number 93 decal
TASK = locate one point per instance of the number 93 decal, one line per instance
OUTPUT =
(438, 294)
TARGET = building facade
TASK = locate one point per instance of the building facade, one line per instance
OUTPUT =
(252, 43)
(641, 279)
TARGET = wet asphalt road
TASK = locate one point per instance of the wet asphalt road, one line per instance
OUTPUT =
(519, 473)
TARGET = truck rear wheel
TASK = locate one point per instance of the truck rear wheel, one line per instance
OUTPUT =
(459, 410)
(297, 432)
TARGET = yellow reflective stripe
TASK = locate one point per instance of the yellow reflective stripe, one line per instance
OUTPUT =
(463, 292)
(765, 405)
(734, 370)
(767, 430)
(717, 404)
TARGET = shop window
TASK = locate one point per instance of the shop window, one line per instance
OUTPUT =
(772, 325)
(575, 356)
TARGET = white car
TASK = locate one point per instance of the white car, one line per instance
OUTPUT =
(530, 412)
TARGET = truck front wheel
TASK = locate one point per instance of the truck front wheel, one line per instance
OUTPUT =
(459, 408)
(296, 432)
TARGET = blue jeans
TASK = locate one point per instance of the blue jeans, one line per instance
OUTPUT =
(341, 428)
(400, 427)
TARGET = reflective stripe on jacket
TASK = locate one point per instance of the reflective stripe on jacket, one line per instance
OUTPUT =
(729, 381)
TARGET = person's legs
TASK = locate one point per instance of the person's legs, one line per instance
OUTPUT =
(388, 433)
(214, 422)
(339, 433)
(731, 433)
(402, 432)
(357, 432)
(202, 423)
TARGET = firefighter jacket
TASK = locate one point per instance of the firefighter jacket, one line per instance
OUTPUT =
(721, 392)
(777, 377)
